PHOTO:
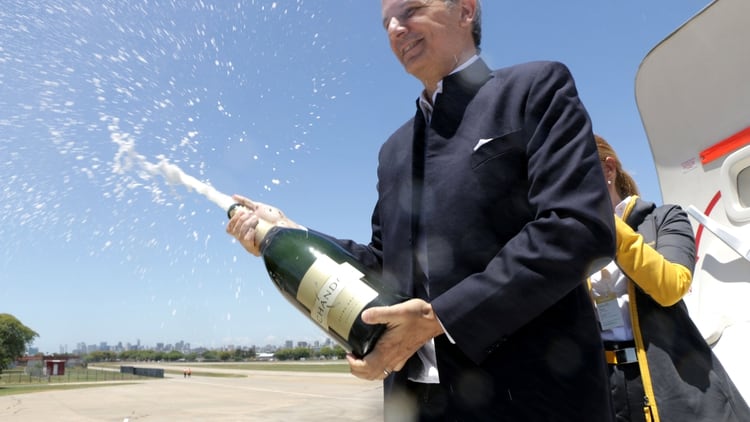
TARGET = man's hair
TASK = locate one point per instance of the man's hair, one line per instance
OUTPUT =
(476, 30)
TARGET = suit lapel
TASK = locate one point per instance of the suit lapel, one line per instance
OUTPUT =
(417, 181)
(458, 90)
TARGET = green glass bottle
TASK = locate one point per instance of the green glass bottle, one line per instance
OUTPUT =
(324, 282)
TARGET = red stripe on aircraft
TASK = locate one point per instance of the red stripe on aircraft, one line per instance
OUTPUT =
(726, 146)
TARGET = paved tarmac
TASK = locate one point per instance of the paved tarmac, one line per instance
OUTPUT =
(260, 396)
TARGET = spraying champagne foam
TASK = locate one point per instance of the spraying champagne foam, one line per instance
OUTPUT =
(127, 157)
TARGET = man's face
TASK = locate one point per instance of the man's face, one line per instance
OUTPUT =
(427, 36)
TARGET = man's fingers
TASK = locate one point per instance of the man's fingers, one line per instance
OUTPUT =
(377, 315)
(394, 313)
(400, 365)
(247, 202)
(371, 367)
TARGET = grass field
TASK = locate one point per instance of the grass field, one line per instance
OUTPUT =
(107, 373)
(16, 381)
(72, 375)
(205, 367)
(305, 366)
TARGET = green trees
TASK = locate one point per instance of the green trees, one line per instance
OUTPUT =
(333, 352)
(14, 336)
(300, 353)
(295, 353)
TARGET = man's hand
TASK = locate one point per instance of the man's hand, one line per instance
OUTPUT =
(245, 219)
(410, 324)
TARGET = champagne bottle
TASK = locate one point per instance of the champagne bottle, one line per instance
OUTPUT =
(324, 282)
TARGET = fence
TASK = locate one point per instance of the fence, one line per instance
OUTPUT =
(146, 372)
(71, 375)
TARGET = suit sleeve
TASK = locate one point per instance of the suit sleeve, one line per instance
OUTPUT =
(664, 273)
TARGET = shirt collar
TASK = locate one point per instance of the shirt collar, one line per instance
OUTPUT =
(426, 104)
(620, 208)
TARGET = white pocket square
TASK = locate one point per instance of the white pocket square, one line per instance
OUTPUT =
(482, 142)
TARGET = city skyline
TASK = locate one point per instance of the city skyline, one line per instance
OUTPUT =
(82, 348)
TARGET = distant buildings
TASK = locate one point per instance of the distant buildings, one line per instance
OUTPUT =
(81, 348)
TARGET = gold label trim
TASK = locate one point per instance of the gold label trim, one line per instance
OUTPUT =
(335, 294)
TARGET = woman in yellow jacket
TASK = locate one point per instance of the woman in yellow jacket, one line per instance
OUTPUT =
(660, 367)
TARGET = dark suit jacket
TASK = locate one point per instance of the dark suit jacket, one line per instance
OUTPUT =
(688, 380)
(512, 229)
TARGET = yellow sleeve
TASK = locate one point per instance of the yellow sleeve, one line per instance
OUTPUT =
(666, 282)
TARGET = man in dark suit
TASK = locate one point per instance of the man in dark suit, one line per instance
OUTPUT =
(491, 213)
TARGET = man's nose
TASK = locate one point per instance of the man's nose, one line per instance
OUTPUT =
(395, 27)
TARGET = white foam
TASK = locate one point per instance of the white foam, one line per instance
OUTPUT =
(127, 158)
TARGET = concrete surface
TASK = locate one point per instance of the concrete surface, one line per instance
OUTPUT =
(260, 396)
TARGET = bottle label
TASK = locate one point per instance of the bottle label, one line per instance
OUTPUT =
(335, 294)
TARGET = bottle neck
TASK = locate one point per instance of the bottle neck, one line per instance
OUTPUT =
(261, 230)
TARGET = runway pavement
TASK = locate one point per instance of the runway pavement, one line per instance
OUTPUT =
(260, 396)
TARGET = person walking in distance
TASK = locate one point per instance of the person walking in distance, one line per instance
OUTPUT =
(492, 211)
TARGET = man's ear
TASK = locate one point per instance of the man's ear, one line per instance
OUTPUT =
(468, 10)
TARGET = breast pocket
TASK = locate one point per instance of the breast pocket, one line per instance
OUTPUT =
(499, 163)
(499, 169)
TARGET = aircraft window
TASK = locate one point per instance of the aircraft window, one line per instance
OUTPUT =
(743, 187)
(735, 185)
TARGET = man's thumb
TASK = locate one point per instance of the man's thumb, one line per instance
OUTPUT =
(374, 315)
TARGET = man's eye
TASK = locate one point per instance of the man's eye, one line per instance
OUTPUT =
(411, 11)
(405, 15)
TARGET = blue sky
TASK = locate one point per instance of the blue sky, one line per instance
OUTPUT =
(286, 102)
